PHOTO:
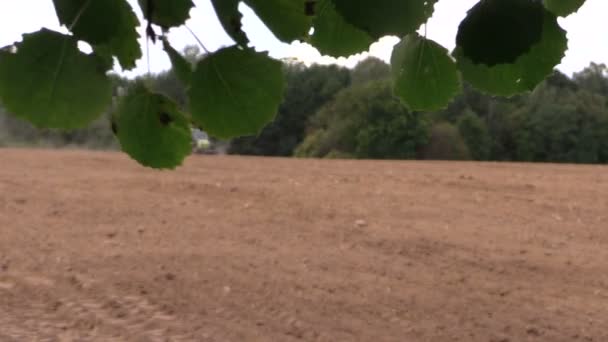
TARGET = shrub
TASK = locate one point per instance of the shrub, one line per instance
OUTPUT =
(446, 143)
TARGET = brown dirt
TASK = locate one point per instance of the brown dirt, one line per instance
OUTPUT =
(95, 248)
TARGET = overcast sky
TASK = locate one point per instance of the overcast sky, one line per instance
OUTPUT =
(587, 33)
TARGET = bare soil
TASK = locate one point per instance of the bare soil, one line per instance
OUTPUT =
(94, 247)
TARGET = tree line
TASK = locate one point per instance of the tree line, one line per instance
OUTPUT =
(331, 112)
(335, 112)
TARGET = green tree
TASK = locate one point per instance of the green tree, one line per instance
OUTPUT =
(370, 69)
(308, 88)
(475, 134)
(562, 126)
(593, 78)
(365, 121)
(445, 143)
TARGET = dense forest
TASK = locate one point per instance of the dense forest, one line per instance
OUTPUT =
(334, 112)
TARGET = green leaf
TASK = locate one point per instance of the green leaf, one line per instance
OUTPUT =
(526, 72)
(104, 59)
(125, 51)
(166, 13)
(228, 13)
(110, 26)
(181, 67)
(151, 129)
(287, 19)
(563, 8)
(51, 83)
(335, 37)
(235, 92)
(425, 76)
(386, 17)
(499, 31)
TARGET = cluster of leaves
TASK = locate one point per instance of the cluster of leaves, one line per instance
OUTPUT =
(503, 47)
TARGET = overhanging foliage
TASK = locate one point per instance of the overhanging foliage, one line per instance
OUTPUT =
(504, 47)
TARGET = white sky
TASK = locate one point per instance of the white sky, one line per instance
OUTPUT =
(587, 32)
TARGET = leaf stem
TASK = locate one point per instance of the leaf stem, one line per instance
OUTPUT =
(148, 54)
(79, 14)
(197, 39)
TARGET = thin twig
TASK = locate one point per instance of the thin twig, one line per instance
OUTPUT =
(149, 28)
(148, 54)
(198, 40)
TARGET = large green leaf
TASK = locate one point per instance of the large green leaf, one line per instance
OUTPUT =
(151, 129)
(425, 75)
(499, 31)
(235, 92)
(563, 8)
(181, 67)
(335, 37)
(386, 17)
(51, 83)
(166, 13)
(228, 13)
(526, 72)
(110, 26)
(287, 19)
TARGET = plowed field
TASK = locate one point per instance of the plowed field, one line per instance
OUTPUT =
(94, 247)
